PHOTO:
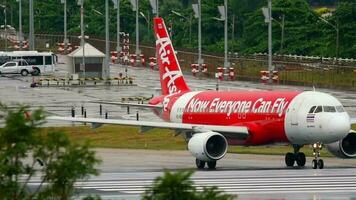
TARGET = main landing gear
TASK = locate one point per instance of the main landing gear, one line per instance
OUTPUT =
(317, 162)
(299, 157)
(296, 157)
(201, 164)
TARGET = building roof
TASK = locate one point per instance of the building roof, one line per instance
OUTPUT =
(89, 51)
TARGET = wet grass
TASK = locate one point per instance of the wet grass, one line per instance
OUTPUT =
(124, 137)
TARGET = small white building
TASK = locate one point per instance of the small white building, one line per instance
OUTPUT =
(93, 59)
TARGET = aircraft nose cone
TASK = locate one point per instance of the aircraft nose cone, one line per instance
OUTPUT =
(339, 125)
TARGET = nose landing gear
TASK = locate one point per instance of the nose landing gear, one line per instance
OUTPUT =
(317, 162)
(296, 157)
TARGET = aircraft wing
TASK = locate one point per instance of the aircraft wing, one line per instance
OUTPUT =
(236, 131)
(129, 104)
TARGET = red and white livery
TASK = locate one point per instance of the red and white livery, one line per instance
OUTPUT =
(212, 120)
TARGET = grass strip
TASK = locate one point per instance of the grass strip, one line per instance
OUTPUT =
(127, 137)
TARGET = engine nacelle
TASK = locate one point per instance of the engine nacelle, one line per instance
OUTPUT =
(208, 146)
(345, 148)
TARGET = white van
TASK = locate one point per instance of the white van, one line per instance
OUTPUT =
(42, 62)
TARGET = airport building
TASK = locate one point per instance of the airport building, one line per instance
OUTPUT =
(93, 62)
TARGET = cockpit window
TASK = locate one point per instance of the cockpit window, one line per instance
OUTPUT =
(329, 109)
(318, 109)
(312, 109)
(340, 109)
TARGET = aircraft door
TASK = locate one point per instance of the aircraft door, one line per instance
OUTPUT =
(294, 121)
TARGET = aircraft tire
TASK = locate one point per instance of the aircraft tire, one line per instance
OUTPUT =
(212, 164)
(199, 163)
(315, 164)
(300, 159)
(320, 164)
(290, 159)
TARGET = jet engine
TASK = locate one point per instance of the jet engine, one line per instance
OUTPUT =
(345, 148)
(208, 146)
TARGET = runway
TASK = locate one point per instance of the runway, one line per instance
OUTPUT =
(245, 184)
(125, 174)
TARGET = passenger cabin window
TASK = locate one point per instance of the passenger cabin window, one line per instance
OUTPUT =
(319, 109)
(312, 109)
(340, 109)
(329, 109)
(48, 60)
(34, 60)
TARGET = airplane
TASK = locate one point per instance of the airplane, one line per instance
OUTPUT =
(212, 120)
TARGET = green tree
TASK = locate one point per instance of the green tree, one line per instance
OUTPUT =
(305, 33)
(26, 152)
(344, 18)
(179, 186)
(302, 36)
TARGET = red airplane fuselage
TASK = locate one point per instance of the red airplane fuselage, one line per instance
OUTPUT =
(263, 112)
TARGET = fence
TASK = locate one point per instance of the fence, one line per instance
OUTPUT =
(296, 70)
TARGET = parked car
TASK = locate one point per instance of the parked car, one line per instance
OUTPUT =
(17, 67)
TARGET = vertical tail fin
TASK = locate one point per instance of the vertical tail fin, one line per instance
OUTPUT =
(171, 76)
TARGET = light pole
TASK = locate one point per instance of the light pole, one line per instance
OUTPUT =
(138, 52)
(11, 16)
(270, 67)
(282, 36)
(281, 24)
(197, 11)
(233, 27)
(223, 17)
(336, 27)
(135, 7)
(187, 19)
(267, 12)
(32, 29)
(5, 25)
(20, 25)
(107, 44)
(117, 7)
(147, 20)
(65, 40)
(155, 10)
(155, 7)
(82, 41)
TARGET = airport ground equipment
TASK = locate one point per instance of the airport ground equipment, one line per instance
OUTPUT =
(55, 82)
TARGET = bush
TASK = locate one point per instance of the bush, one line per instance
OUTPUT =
(179, 186)
(25, 152)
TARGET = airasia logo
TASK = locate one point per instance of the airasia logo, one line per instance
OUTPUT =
(172, 76)
(222, 106)
(164, 52)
